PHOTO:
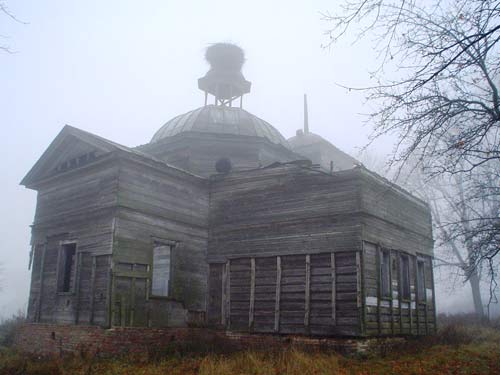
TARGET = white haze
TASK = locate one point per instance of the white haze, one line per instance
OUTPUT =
(120, 69)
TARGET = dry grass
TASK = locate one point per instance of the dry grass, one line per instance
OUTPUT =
(457, 349)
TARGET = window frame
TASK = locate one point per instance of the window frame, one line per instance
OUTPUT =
(385, 267)
(61, 267)
(405, 276)
(158, 242)
(421, 293)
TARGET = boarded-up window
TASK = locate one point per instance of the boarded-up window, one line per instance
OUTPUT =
(385, 266)
(405, 277)
(421, 280)
(161, 270)
(67, 267)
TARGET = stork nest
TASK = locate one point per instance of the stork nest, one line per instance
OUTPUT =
(225, 56)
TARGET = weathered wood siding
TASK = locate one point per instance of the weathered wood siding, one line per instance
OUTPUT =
(289, 219)
(394, 315)
(393, 217)
(198, 152)
(284, 210)
(75, 206)
(158, 203)
(287, 294)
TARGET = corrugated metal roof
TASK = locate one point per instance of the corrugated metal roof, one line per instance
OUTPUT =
(220, 119)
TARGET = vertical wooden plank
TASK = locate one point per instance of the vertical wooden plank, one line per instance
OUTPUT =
(409, 305)
(433, 297)
(123, 311)
(307, 291)
(77, 286)
(379, 292)
(417, 297)
(359, 290)
(334, 289)
(424, 298)
(278, 295)
(224, 297)
(391, 294)
(228, 294)
(252, 294)
(58, 268)
(110, 301)
(40, 287)
(132, 302)
(400, 291)
(363, 291)
(92, 289)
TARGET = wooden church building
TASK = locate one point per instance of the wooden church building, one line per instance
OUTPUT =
(220, 221)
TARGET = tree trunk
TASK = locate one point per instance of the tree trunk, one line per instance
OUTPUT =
(476, 294)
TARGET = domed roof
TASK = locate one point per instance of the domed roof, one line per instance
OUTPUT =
(220, 120)
(320, 151)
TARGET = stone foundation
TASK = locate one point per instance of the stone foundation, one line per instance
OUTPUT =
(52, 339)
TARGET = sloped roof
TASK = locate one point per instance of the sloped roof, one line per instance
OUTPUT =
(70, 142)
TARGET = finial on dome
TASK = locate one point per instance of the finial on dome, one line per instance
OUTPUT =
(224, 80)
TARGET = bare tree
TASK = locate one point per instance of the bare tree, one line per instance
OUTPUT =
(4, 11)
(453, 207)
(436, 89)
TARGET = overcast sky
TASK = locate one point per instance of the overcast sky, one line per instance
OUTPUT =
(121, 69)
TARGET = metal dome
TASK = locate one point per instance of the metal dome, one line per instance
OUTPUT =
(220, 120)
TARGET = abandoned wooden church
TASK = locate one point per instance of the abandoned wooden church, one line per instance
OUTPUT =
(220, 221)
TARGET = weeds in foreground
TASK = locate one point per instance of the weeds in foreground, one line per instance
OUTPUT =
(456, 349)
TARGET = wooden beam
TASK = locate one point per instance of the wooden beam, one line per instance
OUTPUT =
(379, 292)
(334, 289)
(307, 292)
(252, 294)
(77, 285)
(391, 295)
(359, 291)
(409, 304)
(363, 291)
(417, 297)
(433, 298)
(40, 287)
(224, 297)
(278, 295)
(132, 302)
(228, 295)
(110, 301)
(92, 289)
(400, 291)
(424, 297)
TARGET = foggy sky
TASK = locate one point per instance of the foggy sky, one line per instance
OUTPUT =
(121, 69)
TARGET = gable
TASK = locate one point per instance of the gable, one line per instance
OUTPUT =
(71, 148)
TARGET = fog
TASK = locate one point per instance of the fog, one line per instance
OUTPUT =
(121, 69)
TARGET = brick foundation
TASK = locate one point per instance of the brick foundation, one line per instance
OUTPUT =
(52, 339)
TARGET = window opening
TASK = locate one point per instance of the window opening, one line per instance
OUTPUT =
(385, 265)
(161, 270)
(68, 267)
(405, 277)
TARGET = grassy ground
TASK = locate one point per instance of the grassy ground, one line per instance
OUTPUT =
(455, 350)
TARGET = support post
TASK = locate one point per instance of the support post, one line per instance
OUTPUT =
(391, 294)
(40, 288)
(278, 295)
(307, 292)
(433, 297)
(77, 285)
(334, 289)
(252, 294)
(92, 289)
(379, 292)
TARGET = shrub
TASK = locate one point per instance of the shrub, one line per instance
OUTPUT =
(8, 328)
